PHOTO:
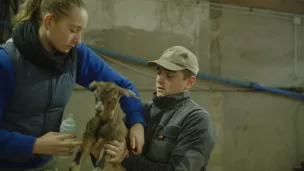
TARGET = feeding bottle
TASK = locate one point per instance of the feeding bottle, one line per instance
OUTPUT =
(68, 126)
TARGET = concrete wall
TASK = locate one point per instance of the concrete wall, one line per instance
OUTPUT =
(256, 131)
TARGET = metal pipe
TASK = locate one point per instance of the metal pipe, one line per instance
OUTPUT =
(205, 76)
(152, 89)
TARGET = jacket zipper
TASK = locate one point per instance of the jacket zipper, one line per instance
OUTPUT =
(50, 94)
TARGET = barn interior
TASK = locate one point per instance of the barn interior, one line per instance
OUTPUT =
(250, 55)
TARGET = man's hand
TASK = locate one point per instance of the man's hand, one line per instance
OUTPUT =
(53, 143)
(137, 139)
(117, 150)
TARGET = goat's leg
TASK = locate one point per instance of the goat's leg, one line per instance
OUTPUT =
(83, 152)
(105, 165)
(101, 161)
(88, 141)
(75, 166)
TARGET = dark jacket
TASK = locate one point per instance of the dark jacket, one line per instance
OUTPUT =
(32, 101)
(179, 136)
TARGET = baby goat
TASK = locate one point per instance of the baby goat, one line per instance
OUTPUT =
(107, 125)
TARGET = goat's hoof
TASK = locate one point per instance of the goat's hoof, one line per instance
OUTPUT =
(74, 167)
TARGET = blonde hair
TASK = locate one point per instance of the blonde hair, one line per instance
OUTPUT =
(35, 9)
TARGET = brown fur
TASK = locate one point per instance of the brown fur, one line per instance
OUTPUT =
(103, 125)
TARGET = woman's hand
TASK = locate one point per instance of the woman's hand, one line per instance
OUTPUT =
(53, 143)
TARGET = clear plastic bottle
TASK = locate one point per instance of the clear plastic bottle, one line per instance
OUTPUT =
(68, 126)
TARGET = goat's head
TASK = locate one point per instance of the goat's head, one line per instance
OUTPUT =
(107, 96)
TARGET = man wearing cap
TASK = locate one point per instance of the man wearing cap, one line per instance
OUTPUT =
(180, 134)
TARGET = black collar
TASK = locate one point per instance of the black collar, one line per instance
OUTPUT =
(170, 101)
(26, 38)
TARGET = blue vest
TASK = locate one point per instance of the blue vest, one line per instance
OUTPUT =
(38, 100)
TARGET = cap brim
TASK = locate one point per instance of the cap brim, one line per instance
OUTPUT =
(166, 64)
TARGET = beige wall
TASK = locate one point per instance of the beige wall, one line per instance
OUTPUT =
(256, 131)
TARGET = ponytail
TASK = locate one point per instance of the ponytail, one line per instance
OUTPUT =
(30, 10)
(34, 9)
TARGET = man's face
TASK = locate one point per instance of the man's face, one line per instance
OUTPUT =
(171, 82)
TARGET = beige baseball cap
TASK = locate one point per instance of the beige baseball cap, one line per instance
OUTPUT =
(177, 58)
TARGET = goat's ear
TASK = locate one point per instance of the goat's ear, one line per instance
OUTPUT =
(94, 84)
(128, 93)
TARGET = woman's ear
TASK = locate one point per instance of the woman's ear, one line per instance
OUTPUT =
(48, 21)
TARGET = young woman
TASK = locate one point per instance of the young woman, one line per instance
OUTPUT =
(39, 67)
